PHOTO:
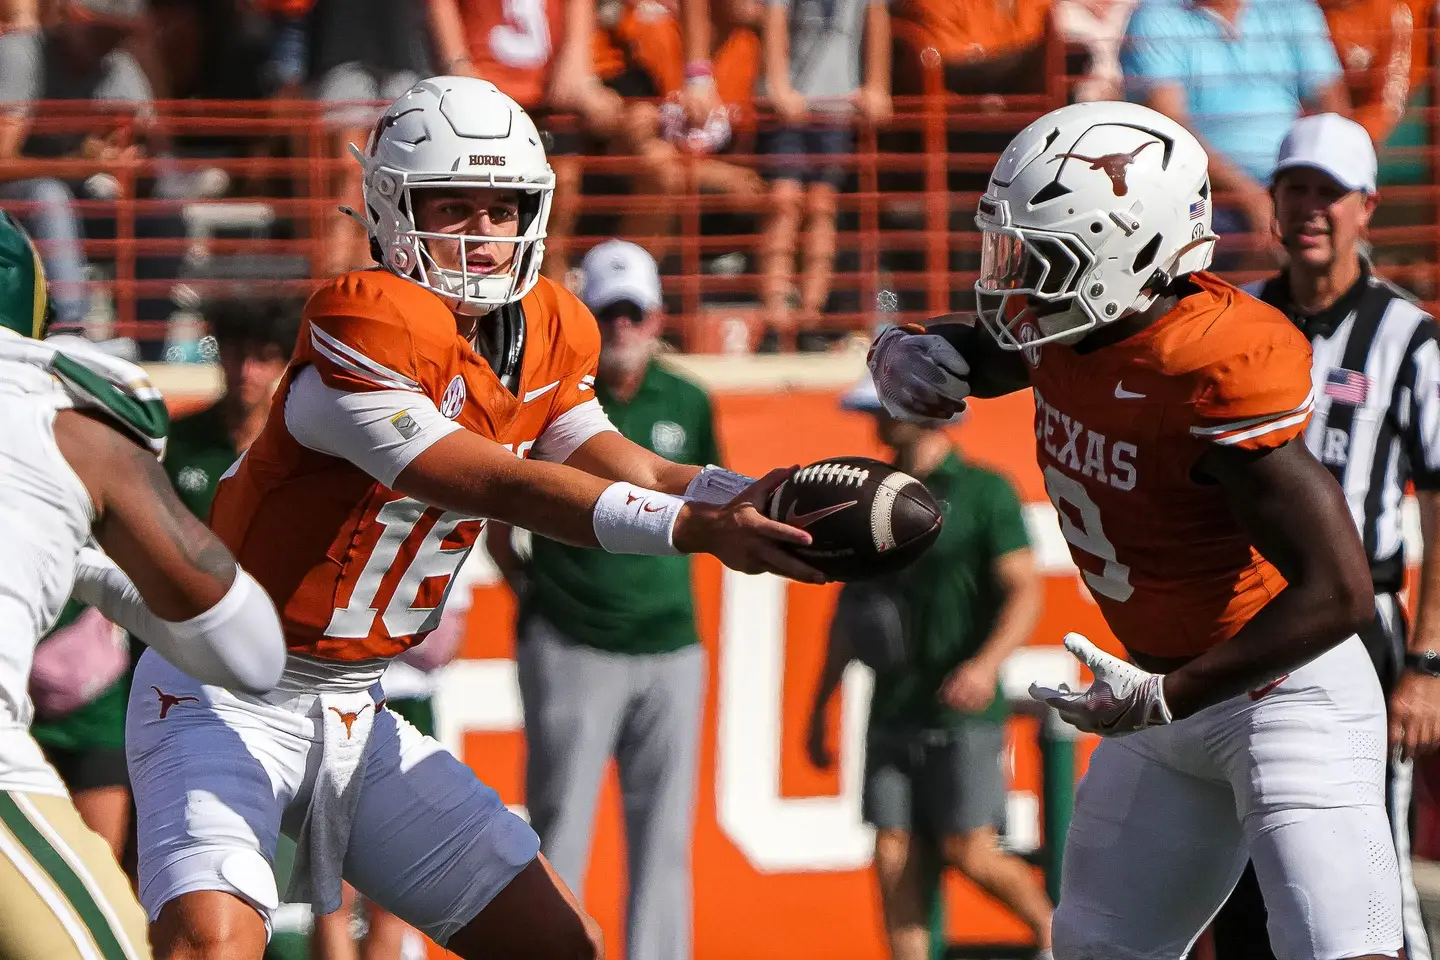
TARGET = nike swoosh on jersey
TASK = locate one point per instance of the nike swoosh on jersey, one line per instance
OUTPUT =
(1122, 394)
(803, 520)
(539, 392)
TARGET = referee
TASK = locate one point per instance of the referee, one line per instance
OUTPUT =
(1377, 427)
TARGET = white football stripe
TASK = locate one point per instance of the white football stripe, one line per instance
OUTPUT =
(882, 510)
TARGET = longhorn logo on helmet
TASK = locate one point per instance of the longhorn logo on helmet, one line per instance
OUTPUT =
(1115, 165)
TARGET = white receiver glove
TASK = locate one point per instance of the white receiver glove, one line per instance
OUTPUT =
(918, 375)
(1122, 699)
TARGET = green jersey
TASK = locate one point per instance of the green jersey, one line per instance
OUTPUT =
(200, 452)
(622, 603)
(951, 596)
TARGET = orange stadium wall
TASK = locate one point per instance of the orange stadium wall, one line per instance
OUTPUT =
(781, 857)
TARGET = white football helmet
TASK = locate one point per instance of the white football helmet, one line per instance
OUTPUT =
(455, 132)
(1091, 210)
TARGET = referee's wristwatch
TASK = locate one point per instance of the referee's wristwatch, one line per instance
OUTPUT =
(1427, 663)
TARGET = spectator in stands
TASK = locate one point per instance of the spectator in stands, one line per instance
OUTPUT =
(50, 218)
(1098, 27)
(824, 63)
(1236, 73)
(985, 46)
(1384, 48)
(540, 53)
(639, 53)
(94, 51)
(609, 661)
(937, 636)
(362, 52)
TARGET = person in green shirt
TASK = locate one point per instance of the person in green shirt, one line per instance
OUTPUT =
(253, 342)
(937, 635)
(608, 658)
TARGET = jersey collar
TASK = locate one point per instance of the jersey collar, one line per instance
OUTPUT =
(1321, 324)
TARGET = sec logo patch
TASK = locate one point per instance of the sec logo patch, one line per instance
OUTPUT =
(454, 400)
(1028, 333)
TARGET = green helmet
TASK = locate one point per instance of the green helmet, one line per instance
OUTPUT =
(24, 296)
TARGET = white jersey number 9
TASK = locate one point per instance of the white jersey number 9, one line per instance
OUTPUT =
(1114, 579)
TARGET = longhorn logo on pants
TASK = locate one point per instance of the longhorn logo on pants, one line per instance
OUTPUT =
(348, 718)
(167, 701)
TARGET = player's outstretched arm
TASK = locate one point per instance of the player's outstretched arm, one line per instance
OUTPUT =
(167, 578)
(612, 455)
(1297, 518)
(470, 474)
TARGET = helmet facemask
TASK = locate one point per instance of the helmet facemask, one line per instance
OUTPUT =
(390, 201)
(1044, 268)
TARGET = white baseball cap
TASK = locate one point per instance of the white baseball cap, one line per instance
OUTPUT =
(618, 270)
(1332, 144)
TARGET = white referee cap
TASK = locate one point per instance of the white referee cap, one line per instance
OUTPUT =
(1332, 144)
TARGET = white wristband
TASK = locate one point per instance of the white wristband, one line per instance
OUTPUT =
(631, 519)
(717, 485)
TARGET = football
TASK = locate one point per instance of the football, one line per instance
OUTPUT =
(866, 518)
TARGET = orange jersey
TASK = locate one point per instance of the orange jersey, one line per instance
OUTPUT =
(963, 31)
(647, 34)
(1383, 46)
(1118, 433)
(356, 569)
(513, 44)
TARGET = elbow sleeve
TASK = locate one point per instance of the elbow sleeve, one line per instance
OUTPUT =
(238, 643)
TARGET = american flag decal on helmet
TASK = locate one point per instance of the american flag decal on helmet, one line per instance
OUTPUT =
(1197, 209)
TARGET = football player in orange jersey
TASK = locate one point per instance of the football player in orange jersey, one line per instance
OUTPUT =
(1169, 411)
(451, 385)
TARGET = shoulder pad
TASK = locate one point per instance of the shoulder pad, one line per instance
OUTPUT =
(121, 390)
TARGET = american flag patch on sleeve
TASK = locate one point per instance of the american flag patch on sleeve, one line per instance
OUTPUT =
(1197, 209)
(1347, 386)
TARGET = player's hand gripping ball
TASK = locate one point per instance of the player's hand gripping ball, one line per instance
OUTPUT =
(866, 518)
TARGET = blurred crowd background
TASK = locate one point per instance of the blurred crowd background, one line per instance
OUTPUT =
(166, 151)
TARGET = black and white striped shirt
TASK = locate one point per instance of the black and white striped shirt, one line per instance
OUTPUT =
(1376, 424)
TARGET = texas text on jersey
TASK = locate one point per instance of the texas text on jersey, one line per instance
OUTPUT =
(366, 569)
(1118, 432)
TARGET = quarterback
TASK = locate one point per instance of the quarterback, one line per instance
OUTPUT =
(449, 385)
(79, 459)
(1169, 408)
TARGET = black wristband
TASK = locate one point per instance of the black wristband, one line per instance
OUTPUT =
(1427, 663)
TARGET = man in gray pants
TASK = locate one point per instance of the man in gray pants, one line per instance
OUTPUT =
(609, 663)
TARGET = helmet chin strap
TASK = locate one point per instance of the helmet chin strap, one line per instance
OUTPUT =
(1164, 276)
